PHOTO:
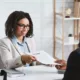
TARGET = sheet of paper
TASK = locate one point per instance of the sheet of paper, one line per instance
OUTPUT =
(45, 58)
(1, 77)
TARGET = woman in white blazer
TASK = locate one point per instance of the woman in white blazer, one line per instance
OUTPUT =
(19, 43)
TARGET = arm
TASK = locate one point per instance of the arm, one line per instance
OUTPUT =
(7, 57)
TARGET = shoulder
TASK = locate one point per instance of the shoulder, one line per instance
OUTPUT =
(74, 57)
(75, 53)
(5, 40)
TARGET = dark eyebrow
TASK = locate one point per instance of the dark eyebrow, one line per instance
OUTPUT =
(21, 24)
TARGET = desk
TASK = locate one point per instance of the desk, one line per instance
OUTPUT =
(38, 73)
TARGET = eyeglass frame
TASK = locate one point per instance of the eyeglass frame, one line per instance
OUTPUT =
(22, 25)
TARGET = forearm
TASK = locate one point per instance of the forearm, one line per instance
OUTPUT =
(13, 63)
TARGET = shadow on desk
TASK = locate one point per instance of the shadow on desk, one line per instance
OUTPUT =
(61, 71)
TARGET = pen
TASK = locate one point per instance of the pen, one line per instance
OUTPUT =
(36, 53)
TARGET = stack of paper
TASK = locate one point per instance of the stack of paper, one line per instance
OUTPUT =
(14, 73)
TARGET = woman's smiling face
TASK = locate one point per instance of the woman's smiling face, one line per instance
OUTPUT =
(22, 27)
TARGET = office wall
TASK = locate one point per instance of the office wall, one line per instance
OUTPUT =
(41, 12)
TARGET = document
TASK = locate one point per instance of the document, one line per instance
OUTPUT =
(1, 77)
(44, 58)
(14, 73)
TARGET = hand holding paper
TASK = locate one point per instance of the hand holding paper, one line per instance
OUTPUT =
(44, 58)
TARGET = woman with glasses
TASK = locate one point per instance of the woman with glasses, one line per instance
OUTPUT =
(19, 43)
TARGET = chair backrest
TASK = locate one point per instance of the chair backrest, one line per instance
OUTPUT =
(3, 75)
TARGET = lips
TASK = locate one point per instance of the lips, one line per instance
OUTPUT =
(24, 32)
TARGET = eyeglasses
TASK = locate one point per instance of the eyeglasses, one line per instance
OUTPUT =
(23, 25)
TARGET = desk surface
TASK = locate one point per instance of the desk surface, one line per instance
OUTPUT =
(38, 73)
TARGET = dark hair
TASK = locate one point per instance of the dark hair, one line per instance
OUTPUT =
(11, 22)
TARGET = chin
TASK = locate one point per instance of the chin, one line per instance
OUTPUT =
(24, 35)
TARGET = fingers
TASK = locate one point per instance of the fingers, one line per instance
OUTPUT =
(61, 67)
(28, 58)
(33, 58)
(61, 62)
(58, 67)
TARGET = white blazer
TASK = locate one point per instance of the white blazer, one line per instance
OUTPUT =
(10, 57)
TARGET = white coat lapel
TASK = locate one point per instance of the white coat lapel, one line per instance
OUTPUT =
(29, 44)
(16, 47)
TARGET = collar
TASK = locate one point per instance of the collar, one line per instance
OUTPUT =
(16, 41)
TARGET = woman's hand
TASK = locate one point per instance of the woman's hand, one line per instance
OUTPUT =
(62, 66)
(27, 59)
